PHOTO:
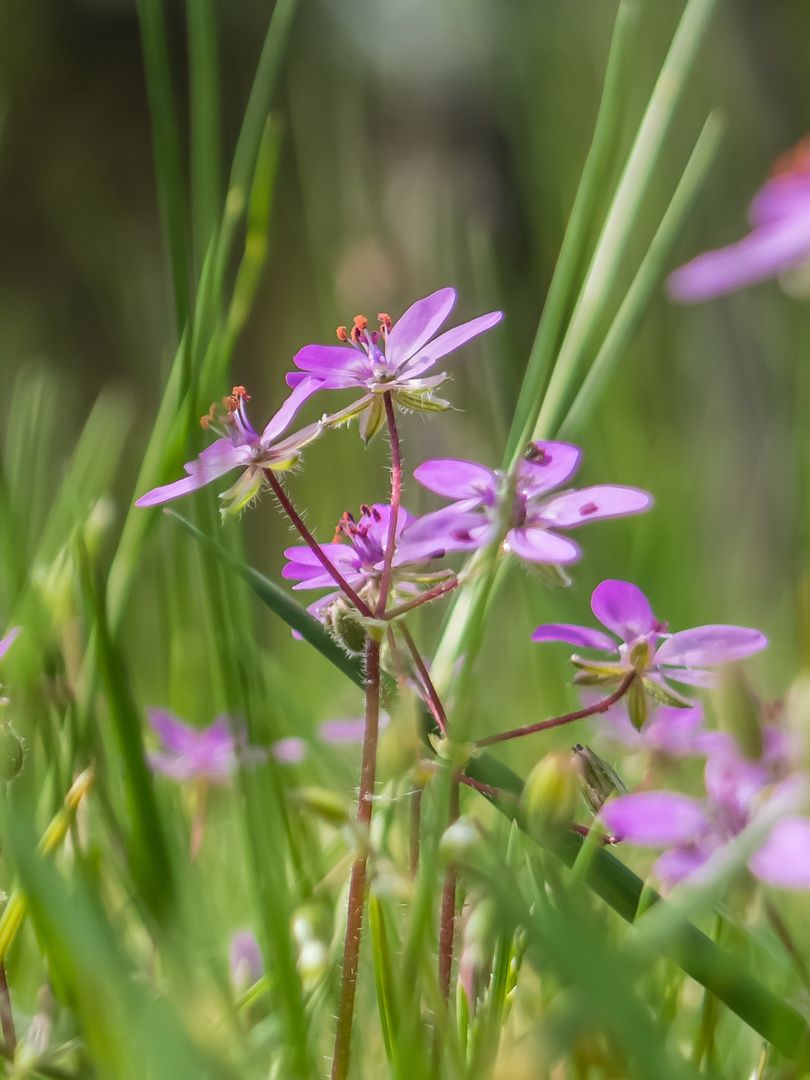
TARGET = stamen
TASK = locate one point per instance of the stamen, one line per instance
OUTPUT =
(341, 334)
(360, 321)
(385, 322)
(209, 418)
(794, 161)
(240, 392)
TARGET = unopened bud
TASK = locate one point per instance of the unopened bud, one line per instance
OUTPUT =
(342, 624)
(551, 794)
(461, 842)
(599, 780)
(323, 803)
(739, 711)
(12, 752)
(638, 704)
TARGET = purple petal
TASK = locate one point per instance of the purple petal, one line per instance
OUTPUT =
(674, 731)
(579, 636)
(346, 731)
(622, 608)
(456, 479)
(289, 751)
(592, 503)
(172, 732)
(542, 546)
(766, 252)
(676, 865)
(784, 860)
(655, 818)
(450, 341)
(216, 460)
(418, 325)
(338, 366)
(785, 196)
(552, 464)
(9, 640)
(691, 677)
(706, 646)
(453, 528)
(284, 417)
(245, 960)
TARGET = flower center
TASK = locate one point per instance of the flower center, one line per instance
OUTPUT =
(369, 342)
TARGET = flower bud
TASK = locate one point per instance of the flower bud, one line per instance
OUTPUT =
(551, 794)
(342, 624)
(462, 842)
(12, 752)
(599, 780)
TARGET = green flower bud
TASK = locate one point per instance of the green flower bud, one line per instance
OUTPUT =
(342, 624)
(551, 794)
(12, 752)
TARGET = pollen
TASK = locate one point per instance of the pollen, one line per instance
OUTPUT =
(360, 321)
(341, 334)
(385, 322)
(241, 392)
(209, 418)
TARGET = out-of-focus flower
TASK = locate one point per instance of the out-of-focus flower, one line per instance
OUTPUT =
(211, 754)
(358, 553)
(778, 243)
(646, 650)
(245, 960)
(521, 509)
(669, 730)
(738, 794)
(392, 360)
(240, 447)
(8, 640)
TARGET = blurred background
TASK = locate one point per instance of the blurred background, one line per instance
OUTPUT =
(425, 143)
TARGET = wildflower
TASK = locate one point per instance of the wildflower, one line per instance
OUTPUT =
(738, 794)
(210, 754)
(358, 553)
(778, 243)
(669, 730)
(646, 651)
(522, 508)
(245, 960)
(241, 447)
(392, 360)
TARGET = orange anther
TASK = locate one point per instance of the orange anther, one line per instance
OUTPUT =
(360, 321)
(240, 392)
(341, 334)
(356, 335)
(384, 321)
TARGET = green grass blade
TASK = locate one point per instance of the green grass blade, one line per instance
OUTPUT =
(205, 126)
(250, 135)
(167, 151)
(647, 277)
(606, 131)
(383, 972)
(621, 216)
(148, 851)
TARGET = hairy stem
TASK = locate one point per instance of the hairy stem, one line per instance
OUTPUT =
(431, 594)
(448, 917)
(396, 497)
(6, 1015)
(433, 699)
(309, 539)
(567, 718)
(357, 887)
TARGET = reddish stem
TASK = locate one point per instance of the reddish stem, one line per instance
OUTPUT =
(580, 714)
(6, 1015)
(396, 497)
(357, 886)
(583, 830)
(433, 700)
(431, 594)
(485, 789)
(448, 918)
(310, 540)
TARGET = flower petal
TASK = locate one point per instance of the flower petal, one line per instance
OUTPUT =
(784, 860)
(9, 640)
(449, 342)
(284, 417)
(673, 866)
(548, 465)
(337, 365)
(456, 479)
(542, 546)
(674, 731)
(593, 503)
(216, 460)
(418, 325)
(655, 818)
(580, 636)
(706, 646)
(623, 608)
(289, 751)
(175, 735)
(769, 250)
